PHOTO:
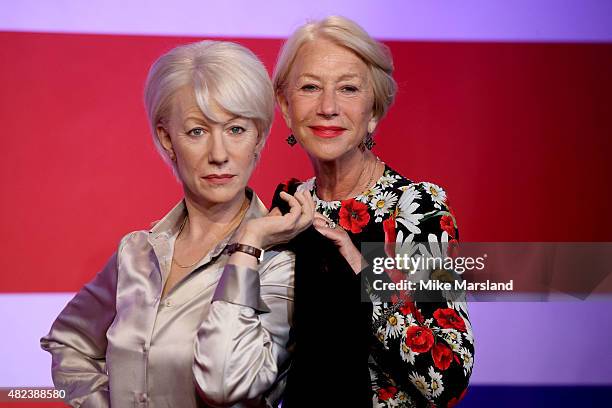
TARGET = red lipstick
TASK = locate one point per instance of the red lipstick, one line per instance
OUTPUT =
(327, 131)
(219, 178)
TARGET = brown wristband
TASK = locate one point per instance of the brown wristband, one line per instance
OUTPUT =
(247, 249)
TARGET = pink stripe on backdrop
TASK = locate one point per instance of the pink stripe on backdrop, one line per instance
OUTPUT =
(525, 343)
(475, 20)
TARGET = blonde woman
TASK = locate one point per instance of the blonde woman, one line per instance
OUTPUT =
(195, 311)
(334, 85)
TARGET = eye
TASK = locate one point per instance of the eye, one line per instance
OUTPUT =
(309, 88)
(349, 89)
(198, 131)
(236, 130)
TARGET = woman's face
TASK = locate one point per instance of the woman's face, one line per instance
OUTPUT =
(214, 160)
(328, 100)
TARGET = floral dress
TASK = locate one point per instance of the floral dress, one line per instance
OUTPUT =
(422, 353)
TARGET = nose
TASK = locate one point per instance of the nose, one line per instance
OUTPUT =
(328, 106)
(218, 152)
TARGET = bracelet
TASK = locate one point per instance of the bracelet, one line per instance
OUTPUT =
(247, 249)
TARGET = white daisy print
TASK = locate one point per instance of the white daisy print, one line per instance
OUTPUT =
(403, 398)
(468, 360)
(406, 353)
(406, 211)
(459, 306)
(376, 403)
(387, 180)
(368, 194)
(376, 306)
(327, 206)
(395, 324)
(381, 335)
(453, 338)
(373, 375)
(382, 203)
(438, 196)
(421, 384)
(409, 320)
(438, 249)
(437, 386)
(468, 333)
(393, 402)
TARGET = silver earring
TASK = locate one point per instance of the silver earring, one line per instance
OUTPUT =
(291, 140)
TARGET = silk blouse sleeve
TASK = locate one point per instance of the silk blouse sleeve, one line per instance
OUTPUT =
(242, 342)
(77, 340)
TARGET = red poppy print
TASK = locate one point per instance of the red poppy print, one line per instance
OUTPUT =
(453, 248)
(454, 401)
(410, 308)
(390, 236)
(386, 393)
(353, 215)
(448, 318)
(419, 338)
(442, 355)
(446, 223)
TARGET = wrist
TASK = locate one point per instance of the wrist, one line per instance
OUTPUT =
(248, 237)
(251, 251)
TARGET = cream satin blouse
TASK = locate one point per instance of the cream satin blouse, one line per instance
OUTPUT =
(218, 338)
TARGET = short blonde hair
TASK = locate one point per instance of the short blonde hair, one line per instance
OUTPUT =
(345, 33)
(221, 73)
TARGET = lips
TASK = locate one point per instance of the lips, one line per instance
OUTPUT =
(219, 178)
(327, 131)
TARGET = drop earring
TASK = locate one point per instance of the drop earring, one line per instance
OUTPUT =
(291, 140)
(369, 141)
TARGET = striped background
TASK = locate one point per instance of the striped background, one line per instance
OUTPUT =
(506, 104)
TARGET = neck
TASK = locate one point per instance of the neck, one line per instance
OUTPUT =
(339, 179)
(206, 218)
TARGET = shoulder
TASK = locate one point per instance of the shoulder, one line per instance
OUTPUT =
(429, 196)
(423, 209)
(135, 241)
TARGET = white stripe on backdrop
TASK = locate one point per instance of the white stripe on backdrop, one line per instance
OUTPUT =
(472, 20)
(517, 343)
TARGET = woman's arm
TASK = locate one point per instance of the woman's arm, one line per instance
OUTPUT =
(77, 341)
(429, 343)
(243, 340)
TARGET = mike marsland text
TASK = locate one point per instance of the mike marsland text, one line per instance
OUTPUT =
(433, 284)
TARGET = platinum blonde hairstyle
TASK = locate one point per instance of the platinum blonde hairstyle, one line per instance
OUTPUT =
(348, 34)
(221, 73)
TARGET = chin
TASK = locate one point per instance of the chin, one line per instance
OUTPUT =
(217, 194)
(329, 153)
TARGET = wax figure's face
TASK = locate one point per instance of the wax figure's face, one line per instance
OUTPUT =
(214, 160)
(328, 100)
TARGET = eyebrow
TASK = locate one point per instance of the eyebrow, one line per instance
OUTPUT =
(203, 118)
(341, 78)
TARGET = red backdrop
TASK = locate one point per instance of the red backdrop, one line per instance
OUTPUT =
(518, 134)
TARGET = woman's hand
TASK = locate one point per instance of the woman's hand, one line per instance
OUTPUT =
(276, 228)
(342, 240)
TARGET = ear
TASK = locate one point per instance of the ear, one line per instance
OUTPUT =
(372, 123)
(283, 103)
(163, 136)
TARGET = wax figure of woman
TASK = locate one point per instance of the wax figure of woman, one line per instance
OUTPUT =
(334, 85)
(192, 312)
